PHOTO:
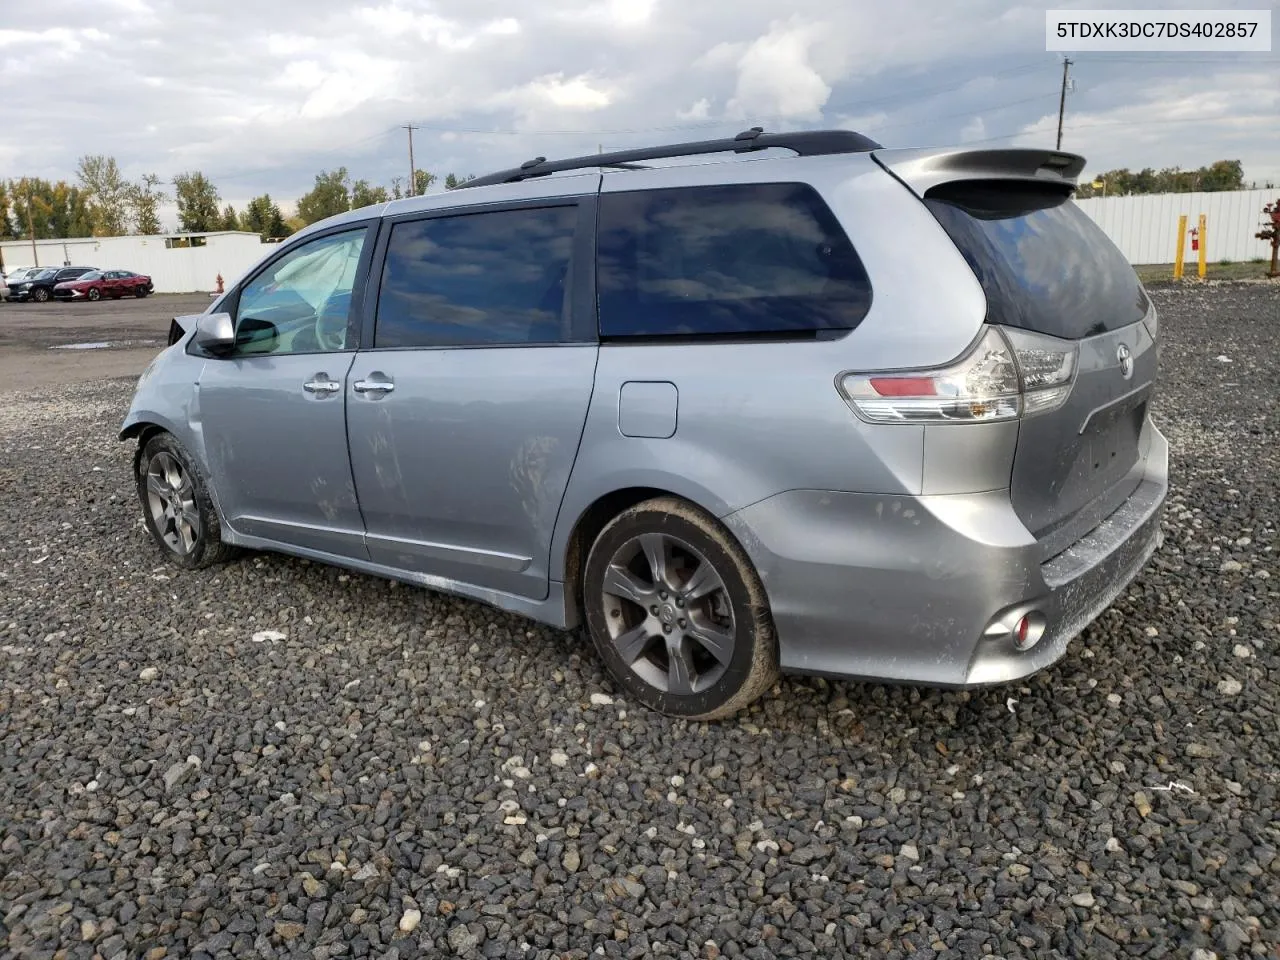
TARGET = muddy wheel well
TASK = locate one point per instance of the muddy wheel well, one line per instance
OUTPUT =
(142, 432)
(584, 534)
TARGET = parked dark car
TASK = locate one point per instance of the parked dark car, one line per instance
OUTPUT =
(40, 286)
(104, 283)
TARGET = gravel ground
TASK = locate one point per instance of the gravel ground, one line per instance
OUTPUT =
(44, 344)
(279, 759)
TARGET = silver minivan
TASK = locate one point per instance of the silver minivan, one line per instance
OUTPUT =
(781, 402)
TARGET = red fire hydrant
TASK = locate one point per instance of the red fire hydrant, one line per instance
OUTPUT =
(220, 278)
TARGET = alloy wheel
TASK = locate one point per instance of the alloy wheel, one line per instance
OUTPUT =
(669, 614)
(172, 504)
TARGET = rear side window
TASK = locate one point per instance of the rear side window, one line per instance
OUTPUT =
(726, 261)
(478, 279)
(1043, 264)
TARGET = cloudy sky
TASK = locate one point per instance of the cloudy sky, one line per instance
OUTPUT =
(261, 96)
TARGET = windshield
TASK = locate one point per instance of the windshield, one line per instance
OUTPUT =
(44, 274)
(91, 275)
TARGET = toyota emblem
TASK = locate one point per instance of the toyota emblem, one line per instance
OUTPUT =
(1125, 356)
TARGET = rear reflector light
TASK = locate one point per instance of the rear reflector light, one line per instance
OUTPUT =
(1007, 374)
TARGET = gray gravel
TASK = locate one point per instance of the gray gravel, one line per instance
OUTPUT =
(279, 759)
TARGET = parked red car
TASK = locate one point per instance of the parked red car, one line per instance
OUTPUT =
(104, 283)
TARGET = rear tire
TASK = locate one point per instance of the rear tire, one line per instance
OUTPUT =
(176, 507)
(140, 292)
(678, 613)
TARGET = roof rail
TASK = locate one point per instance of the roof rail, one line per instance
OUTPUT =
(805, 143)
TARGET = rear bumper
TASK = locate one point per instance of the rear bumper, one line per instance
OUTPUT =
(908, 588)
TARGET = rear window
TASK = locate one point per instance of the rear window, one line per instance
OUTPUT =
(726, 261)
(1044, 265)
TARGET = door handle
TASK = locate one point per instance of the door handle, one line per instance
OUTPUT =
(373, 386)
(317, 385)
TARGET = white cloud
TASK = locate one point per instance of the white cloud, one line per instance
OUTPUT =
(776, 78)
(576, 93)
(316, 84)
(700, 110)
(975, 129)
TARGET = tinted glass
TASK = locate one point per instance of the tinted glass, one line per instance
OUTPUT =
(474, 279)
(1044, 265)
(301, 303)
(95, 276)
(741, 259)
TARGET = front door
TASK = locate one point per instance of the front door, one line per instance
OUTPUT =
(466, 413)
(273, 411)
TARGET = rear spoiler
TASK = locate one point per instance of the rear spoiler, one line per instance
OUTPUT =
(921, 169)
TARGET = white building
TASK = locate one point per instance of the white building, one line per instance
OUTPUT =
(176, 262)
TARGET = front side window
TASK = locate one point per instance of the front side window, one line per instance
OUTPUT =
(731, 260)
(478, 279)
(302, 303)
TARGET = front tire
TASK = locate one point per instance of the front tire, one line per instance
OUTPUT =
(95, 293)
(678, 613)
(40, 295)
(176, 506)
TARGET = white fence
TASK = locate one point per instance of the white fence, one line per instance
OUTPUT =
(1145, 228)
(173, 268)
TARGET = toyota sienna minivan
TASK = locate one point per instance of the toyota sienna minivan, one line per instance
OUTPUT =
(780, 402)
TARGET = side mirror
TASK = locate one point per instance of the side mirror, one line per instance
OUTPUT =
(215, 332)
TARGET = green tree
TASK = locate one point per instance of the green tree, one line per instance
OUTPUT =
(6, 225)
(145, 198)
(1220, 175)
(109, 194)
(263, 216)
(365, 195)
(230, 219)
(1223, 175)
(453, 181)
(330, 195)
(57, 210)
(197, 202)
(422, 180)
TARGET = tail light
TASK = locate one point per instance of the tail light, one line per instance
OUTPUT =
(1007, 374)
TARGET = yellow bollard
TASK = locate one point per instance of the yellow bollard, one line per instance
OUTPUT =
(1202, 247)
(1182, 243)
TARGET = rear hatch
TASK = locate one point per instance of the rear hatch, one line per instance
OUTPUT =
(1047, 268)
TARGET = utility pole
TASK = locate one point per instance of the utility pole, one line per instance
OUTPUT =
(413, 172)
(31, 225)
(1062, 99)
